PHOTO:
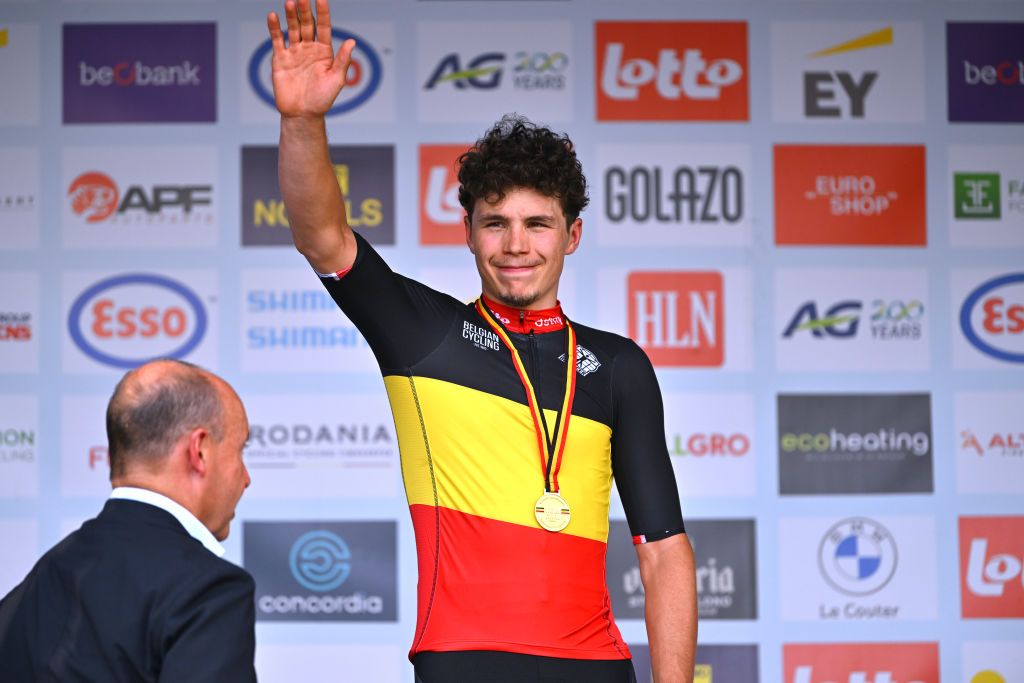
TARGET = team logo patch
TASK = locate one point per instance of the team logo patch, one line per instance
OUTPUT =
(586, 362)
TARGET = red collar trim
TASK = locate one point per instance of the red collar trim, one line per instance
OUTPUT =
(523, 321)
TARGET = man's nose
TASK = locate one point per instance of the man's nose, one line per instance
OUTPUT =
(517, 240)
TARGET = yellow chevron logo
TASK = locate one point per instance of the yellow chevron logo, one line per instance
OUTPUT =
(4, 36)
(868, 40)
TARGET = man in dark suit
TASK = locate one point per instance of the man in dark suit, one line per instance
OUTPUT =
(140, 593)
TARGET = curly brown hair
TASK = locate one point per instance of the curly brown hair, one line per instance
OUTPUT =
(516, 153)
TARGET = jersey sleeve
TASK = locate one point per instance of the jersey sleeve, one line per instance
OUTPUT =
(401, 319)
(640, 461)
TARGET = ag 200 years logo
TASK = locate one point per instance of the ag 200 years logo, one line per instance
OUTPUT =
(127, 320)
(992, 318)
(363, 79)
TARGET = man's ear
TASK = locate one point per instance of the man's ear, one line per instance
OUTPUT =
(196, 450)
(575, 234)
(469, 232)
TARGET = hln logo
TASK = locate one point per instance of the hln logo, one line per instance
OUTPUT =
(976, 195)
(678, 318)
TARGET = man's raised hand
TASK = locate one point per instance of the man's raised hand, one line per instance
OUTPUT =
(307, 75)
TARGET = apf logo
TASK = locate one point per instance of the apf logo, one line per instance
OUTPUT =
(530, 71)
(820, 93)
(441, 214)
(678, 318)
(362, 81)
(857, 556)
(850, 195)
(889, 319)
(861, 663)
(674, 71)
(320, 561)
(992, 318)
(95, 197)
(992, 567)
(127, 320)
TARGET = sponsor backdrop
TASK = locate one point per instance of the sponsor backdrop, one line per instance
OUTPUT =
(809, 214)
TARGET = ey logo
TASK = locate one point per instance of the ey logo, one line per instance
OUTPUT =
(822, 97)
(976, 195)
(678, 317)
(441, 215)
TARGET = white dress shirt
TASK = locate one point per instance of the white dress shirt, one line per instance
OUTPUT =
(193, 526)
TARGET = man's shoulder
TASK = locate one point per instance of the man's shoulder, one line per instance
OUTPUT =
(610, 343)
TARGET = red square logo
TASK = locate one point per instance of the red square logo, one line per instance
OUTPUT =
(863, 662)
(678, 318)
(441, 215)
(991, 574)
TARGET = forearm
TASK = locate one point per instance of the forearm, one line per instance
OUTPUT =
(316, 208)
(667, 572)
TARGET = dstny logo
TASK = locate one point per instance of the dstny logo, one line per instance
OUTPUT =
(822, 97)
(678, 318)
(530, 71)
(888, 319)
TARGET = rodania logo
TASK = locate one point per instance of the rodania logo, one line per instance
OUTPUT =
(992, 318)
(127, 320)
(95, 197)
(363, 78)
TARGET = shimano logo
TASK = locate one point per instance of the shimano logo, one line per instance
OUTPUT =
(481, 338)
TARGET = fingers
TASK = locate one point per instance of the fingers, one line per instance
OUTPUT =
(276, 37)
(344, 57)
(306, 23)
(323, 22)
(293, 22)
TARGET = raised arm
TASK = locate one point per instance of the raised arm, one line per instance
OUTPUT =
(307, 78)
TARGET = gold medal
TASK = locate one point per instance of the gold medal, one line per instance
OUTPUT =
(552, 512)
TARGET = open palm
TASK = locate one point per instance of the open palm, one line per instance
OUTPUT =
(307, 75)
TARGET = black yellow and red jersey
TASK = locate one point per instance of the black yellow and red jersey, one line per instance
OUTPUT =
(490, 578)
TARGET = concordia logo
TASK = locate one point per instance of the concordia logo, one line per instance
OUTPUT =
(992, 318)
(320, 561)
(127, 320)
(363, 78)
(857, 556)
(817, 84)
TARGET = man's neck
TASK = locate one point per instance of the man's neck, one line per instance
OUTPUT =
(524, 320)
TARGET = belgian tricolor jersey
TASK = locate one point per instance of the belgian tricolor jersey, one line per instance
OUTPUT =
(490, 578)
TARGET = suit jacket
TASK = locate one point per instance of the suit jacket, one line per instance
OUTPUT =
(130, 596)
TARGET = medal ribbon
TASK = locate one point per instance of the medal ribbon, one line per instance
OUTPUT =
(555, 449)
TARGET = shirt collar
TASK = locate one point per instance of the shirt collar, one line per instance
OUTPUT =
(193, 526)
(523, 321)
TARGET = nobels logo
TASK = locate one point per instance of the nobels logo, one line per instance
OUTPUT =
(361, 82)
(674, 71)
(992, 318)
(992, 567)
(678, 318)
(170, 324)
(441, 213)
(861, 663)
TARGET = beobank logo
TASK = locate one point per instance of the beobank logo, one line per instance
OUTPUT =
(678, 318)
(672, 71)
(441, 214)
(127, 320)
(992, 567)
(992, 318)
(870, 195)
(861, 663)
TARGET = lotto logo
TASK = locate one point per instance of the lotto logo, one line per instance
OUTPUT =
(862, 663)
(441, 215)
(992, 567)
(678, 318)
(672, 71)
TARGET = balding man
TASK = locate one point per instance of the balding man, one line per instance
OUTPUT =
(140, 593)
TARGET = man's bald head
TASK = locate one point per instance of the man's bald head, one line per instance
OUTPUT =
(155, 405)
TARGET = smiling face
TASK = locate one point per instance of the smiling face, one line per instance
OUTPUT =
(520, 243)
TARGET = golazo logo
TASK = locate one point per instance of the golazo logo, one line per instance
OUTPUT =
(127, 320)
(441, 214)
(137, 74)
(992, 567)
(702, 195)
(363, 78)
(678, 318)
(895, 319)
(95, 197)
(819, 93)
(992, 318)
(530, 71)
(862, 663)
(672, 70)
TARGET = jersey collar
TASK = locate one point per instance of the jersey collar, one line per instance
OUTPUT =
(523, 321)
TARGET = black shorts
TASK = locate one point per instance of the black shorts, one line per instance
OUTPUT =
(508, 667)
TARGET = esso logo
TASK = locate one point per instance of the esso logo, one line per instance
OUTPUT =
(128, 320)
(992, 318)
(94, 196)
(364, 73)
